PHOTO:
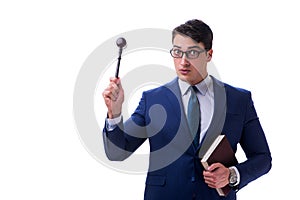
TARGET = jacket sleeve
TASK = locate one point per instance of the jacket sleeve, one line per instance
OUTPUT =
(255, 146)
(125, 138)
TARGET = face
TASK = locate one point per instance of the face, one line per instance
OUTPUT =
(194, 70)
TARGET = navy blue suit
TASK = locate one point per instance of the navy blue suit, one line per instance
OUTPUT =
(175, 171)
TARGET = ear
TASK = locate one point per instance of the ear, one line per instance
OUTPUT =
(209, 55)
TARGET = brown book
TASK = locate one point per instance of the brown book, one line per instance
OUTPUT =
(220, 151)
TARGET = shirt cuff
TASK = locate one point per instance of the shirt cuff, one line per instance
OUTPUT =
(237, 175)
(111, 124)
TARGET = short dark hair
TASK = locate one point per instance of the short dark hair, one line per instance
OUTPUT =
(197, 30)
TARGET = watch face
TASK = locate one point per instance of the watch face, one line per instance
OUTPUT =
(232, 177)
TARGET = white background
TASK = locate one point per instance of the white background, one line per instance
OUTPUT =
(43, 45)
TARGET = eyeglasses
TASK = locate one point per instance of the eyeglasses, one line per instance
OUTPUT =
(191, 54)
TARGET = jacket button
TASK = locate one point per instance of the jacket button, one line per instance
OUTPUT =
(193, 179)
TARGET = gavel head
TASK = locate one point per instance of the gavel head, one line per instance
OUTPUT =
(121, 42)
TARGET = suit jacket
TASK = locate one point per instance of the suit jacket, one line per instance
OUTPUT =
(175, 171)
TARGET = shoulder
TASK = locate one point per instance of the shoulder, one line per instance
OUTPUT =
(237, 97)
(236, 90)
(232, 90)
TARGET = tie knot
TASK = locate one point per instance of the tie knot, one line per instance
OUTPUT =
(194, 89)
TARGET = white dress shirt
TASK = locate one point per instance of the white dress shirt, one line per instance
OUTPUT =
(205, 96)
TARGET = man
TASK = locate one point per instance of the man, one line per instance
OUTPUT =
(196, 108)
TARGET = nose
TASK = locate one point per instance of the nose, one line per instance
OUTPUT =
(184, 61)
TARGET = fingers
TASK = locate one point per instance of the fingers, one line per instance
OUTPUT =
(214, 166)
(113, 89)
(114, 97)
(216, 176)
(209, 178)
(117, 81)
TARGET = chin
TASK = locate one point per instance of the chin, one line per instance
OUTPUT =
(185, 80)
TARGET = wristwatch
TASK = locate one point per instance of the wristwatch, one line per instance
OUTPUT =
(232, 177)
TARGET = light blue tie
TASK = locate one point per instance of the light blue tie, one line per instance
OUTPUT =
(193, 115)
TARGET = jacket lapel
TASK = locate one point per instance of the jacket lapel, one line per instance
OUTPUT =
(186, 139)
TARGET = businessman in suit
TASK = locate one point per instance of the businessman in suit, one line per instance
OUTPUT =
(181, 119)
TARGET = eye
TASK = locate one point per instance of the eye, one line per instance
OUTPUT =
(177, 51)
(193, 52)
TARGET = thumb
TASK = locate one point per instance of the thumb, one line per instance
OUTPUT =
(214, 166)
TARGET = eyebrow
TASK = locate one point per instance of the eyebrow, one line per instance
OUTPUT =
(191, 47)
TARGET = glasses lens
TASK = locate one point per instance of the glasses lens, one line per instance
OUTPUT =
(176, 53)
(192, 54)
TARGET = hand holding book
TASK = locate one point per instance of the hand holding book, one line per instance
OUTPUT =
(216, 176)
(216, 161)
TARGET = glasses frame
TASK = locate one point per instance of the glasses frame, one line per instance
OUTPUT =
(186, 53)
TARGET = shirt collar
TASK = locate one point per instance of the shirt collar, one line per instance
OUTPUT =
(203, 86)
